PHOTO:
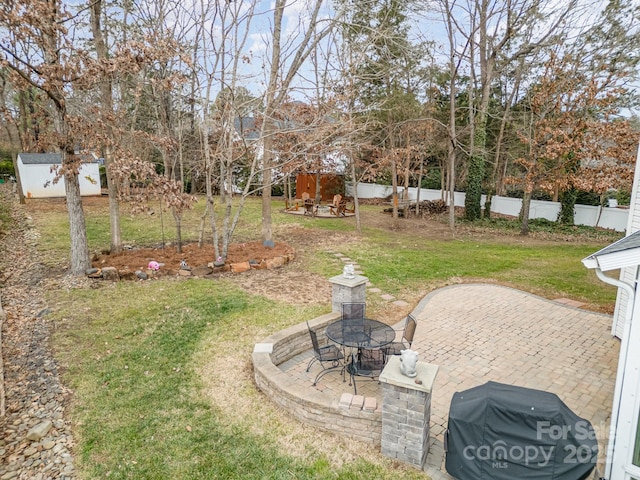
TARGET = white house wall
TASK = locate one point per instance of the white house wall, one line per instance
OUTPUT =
(611, 218)
(628, 274)
(37, 181)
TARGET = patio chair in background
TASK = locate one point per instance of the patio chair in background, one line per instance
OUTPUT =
(353, 318)
(290, 205)
(350, 205)
(335, 203)
(407, 337)
(366, 363)
(341, 210)
(353, 310)
(310, 208)
(329, 354)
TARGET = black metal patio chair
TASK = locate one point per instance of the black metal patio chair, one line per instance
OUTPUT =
(352, 319)
(327, 354)
(406, 340)
(353, 310)
(366, 363)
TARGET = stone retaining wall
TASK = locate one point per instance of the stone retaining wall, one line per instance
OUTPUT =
(113, 274)
(308, 404)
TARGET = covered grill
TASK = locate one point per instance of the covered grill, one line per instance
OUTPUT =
(504, 432)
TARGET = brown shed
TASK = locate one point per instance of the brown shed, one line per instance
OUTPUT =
(330, 184)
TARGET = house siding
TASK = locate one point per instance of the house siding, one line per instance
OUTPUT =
(628, 274)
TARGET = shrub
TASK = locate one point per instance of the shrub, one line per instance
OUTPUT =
(6, 168)
(103, 176)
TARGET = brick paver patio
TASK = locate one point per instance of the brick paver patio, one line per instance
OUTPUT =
(478, 332)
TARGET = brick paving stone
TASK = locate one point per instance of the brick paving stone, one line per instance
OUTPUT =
(345, 400)
(476, 333)
(370, 403)
(357, 402)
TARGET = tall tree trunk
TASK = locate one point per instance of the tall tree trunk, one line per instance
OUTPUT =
(394, 195)
(451, 128)
(268, 127)
(567, 206)
(106, 98)
(405, 194)
(524, 213)
(277, 89)
(318, 198)
(177, 216)
(419, 188)
(356, 203)
(80, 260)
(267, 232)
(14, 159)
(475, 169)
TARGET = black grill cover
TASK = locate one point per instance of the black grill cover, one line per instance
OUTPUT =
(503, 432)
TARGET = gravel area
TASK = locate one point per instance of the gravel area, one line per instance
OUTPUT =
(36, 442)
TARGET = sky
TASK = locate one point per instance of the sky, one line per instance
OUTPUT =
(256, 20)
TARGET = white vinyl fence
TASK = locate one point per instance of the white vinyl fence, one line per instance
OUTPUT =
(613, 218)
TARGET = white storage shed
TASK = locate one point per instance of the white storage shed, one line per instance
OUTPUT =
(37, 177)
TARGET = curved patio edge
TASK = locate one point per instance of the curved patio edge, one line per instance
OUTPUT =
(304, 402)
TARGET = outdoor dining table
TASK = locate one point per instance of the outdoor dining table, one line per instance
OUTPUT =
(364, 335)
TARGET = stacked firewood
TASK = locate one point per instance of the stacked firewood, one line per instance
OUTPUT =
(426, 207)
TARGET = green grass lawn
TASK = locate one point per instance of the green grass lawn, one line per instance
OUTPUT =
(134, 352)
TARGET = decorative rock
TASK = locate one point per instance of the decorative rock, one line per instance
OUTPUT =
(269, 243)
(201, 271)
(127, 274)
(110, 273)
(48, 445)
(141, 275)
(95, 274)
(275, 262)
(91, 271)
(38, 431)
(29, 451)
(240, 267)
(184, 273)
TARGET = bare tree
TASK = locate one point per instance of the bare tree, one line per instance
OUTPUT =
(284, 66)
(11, 126)
(96, 10)
(222, 34)
(493, 30)
(571, 133)
(36, 47)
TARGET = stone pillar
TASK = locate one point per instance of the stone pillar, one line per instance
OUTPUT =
(406, 412)
(347, 290)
